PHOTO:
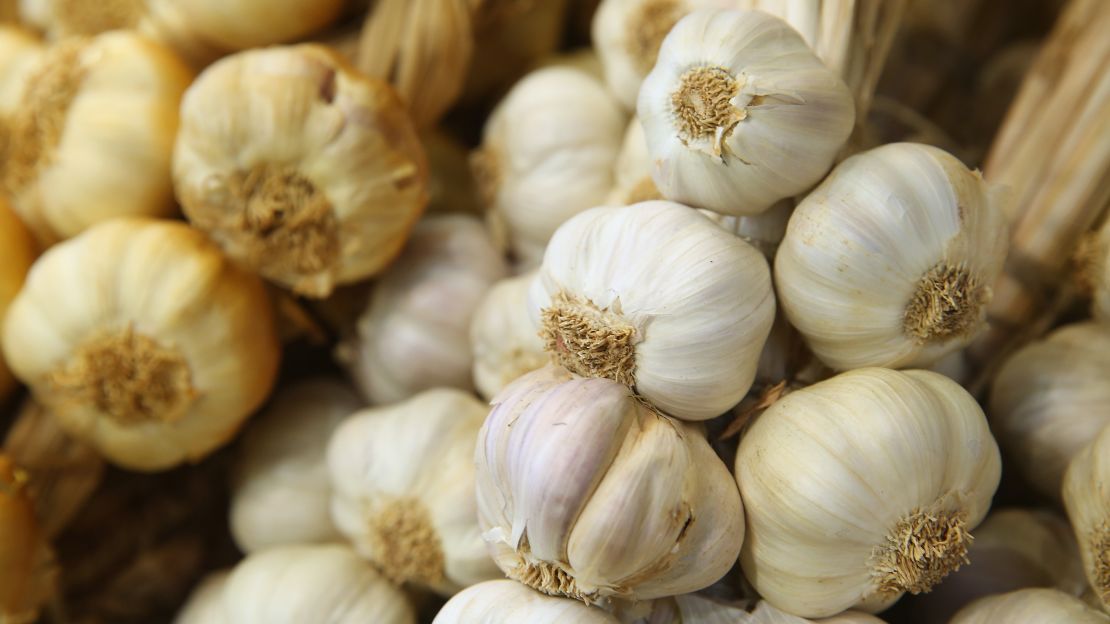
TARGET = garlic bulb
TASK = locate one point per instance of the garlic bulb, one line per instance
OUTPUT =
(414, 335)
(739, 113)
(92, 135)
(1029, 606)
(1050, 399)
(547, 154)
(862, 487)
(322, 583)
(1087, 499)
(655, 296)
(504, 340)
(17, 252)
(890, 261)
(205, 604)
(694, 608)
(299, 167)
(509, 602)
(403, 489)
(281, 493)
(585, 492)
(28, 576)
(144, 341)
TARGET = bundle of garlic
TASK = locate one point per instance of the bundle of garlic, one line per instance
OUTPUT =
(1030, 606)
(281, 493)
(739, 113)
(509, 602)
(585, 492)
(17, 252)
(27, 570)
(504, 341)
(861, 488)
(144, 341)
(547, 154)
(92, 133)
(890, 261)
(403, 489)
(1050, 399)
(414, 335)
(1087, 499)
(323, 583)
(299, 167)
(656, 297)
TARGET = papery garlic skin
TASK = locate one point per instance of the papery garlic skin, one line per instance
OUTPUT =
(323, 583)
(1050, 399)
(657, 297)
(585, 492)
(504, 340)
(281, 493)
(299, 167)
(547, 154)
(144, 341)
(205, 604)
(890, 261)
(1087, 500)
(509, 602)
(739, 113)
(17, 252)
(414, 335)
(1029, 606)
(92, 135)
(839, 477)
(403, 489)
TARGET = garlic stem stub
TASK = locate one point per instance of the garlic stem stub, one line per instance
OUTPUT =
(657, 297)
(861, 488)
(299, 167)
(143, 340)
(509, 602)
(1087, 500)
(890, 261)
(739, 113)
(1030, 606)
(585, 492)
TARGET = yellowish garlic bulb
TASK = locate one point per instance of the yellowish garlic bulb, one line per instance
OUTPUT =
(509, 602)
(585, 492)
(1087, 499)
(321, 583)
(862, 487)
(92, 134)
(547, 154)
(144, 341)
(403, 489)
(27, 570)
(504, 340)
(656, 297)
(1029, 606)
(1050, 399)
(17, 252)
(205, 604)
(890, 261)
(739, 113)
(414, 335)
(281, 493)
(299, 167)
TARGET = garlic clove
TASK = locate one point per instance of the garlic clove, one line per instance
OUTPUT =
(508, 602)
(1087, 500)
(504, 341)
(1029, 606)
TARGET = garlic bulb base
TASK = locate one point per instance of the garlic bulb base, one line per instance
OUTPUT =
(406, 544)
(1099, 547)
(948, 303)
(550, 579)
(589, 341)
(704, 109)
(923, 548)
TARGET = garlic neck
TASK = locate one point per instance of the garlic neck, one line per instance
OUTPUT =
(647, 27)
(921, 549)
(405, 543)
(704, 112)
(129, 377)
(946, 304)
(589, 341)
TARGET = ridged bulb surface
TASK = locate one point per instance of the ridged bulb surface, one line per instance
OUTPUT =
(509, 602)
(1087, 500)
(1030, 606)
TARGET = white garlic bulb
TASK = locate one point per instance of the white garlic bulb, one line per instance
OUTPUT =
(403, 489)
(322, 583)
(205, 604)
(1029, 606)
(703, 610)
(657, 297)
(504, 341)
(509, 602)
(585, 492)
(862, 487)
(739, 113)
(414, 335)
(281, 492)
(1087, 499)
(1050, 399)
(547, 154)
(890, 261)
